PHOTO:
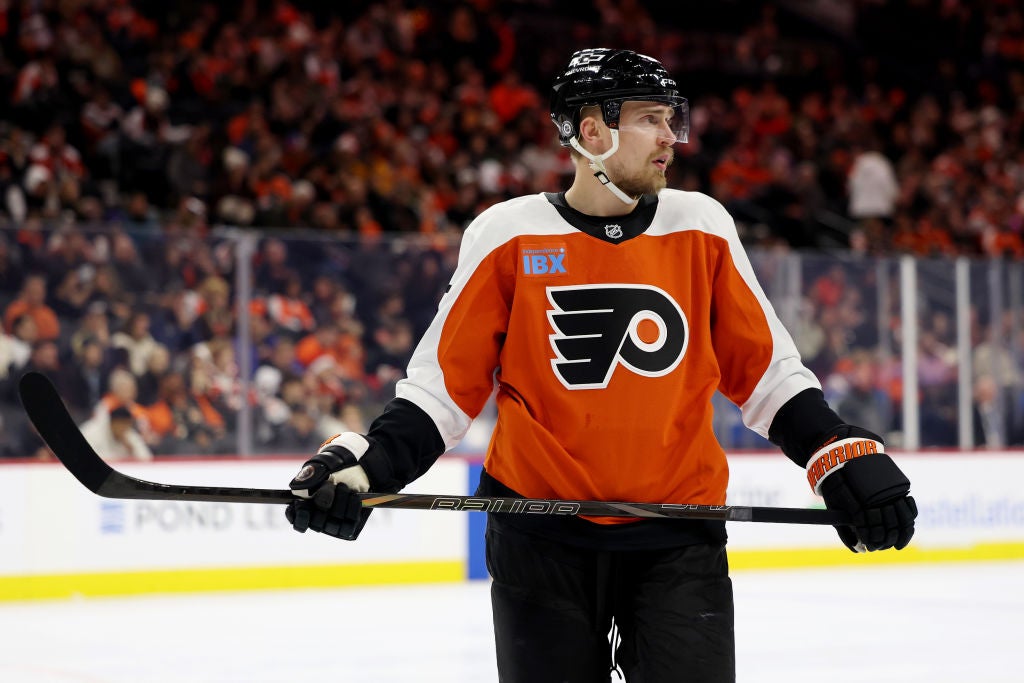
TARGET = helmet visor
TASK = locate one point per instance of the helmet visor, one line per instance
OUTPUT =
(662, 117)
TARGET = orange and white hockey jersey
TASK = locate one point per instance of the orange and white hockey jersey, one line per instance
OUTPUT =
(605, 352)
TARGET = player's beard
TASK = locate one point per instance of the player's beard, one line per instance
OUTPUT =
(649, 180)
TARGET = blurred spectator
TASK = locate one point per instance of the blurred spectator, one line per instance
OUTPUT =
(262, 338)
(128, 267)
(422, 291)
(291, 395)
(93, 325)
(322, 294)
(864, 400)
(279, 365)
(999, 383)
(139, 214)
(74, 290)
(287, 310)
(189, 164)
(198, 419)
(873, 186)
(392, 349)
(44, 358)
(83, 381)
(114, 436)
(214, 319)
(108, 291)
(937, 385)
(148, 136)
(273, 271)
(11, 271)
(100, 121)
(31, 301)
(16, 348)
(217, 360)
(38, 86)
(183, 422)
(298, 435)
(993, 414)
(509, 97)
(62, 160)
(136, 340)
(343, 347)
(158, 364)
(343, 416)
(122, 392)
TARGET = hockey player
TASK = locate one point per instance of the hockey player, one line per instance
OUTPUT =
(607, 316)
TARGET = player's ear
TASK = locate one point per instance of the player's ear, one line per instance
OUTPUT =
(592, 128)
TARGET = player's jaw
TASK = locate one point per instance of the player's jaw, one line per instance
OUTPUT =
(649, 178)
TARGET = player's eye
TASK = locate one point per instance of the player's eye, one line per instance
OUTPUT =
(657, 120)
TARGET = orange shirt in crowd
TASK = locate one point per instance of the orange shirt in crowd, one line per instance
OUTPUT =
(347, 353)
(160, 417)
(46, 320)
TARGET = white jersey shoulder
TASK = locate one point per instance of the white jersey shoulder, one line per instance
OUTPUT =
(527, 215)
(679, 211)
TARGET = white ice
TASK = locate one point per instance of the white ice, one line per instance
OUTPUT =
(909, 623)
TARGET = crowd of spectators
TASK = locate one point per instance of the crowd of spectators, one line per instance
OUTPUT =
(132, 130)
(166, 343)
(410, 116)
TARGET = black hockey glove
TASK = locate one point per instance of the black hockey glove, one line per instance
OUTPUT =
(851, 471)
(325, 485)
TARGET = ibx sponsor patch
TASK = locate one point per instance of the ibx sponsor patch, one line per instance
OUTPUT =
(543, 260)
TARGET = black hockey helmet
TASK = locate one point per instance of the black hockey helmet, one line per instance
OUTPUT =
(609, 77)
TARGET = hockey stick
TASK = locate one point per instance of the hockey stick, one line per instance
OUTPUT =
(55, 425)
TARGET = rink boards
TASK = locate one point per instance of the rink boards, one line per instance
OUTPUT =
(57, 539)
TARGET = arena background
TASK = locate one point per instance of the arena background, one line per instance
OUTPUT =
(236, 221)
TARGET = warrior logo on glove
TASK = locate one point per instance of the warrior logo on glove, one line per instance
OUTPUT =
(836, 456)
(852, 472)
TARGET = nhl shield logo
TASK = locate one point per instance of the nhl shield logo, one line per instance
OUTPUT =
(613, 230)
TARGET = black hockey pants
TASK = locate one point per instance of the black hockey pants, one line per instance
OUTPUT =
(554, 606)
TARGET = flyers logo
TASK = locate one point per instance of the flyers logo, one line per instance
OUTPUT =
(598, 327)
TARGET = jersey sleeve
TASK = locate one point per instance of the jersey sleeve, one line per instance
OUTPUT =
(404, 443)
(451, 374)
(800, 426)
(761, 367)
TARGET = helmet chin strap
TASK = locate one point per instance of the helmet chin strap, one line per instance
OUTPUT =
(597, 165)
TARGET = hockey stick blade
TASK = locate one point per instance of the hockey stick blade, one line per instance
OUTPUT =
(57, 428)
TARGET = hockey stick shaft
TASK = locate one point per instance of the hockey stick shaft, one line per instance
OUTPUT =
(55, 425)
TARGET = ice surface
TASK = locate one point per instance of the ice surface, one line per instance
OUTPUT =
(934, 623)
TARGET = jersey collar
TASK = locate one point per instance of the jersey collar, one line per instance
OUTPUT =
(613, 229)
